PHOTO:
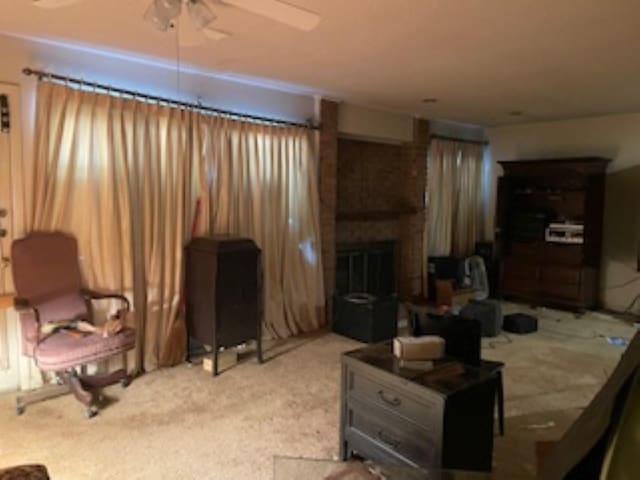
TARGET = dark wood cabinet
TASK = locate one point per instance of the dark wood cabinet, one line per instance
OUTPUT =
(398, 416)
(533, 194)
(223, 292)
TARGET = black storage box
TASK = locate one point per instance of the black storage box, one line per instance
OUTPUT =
(487, 312)
(365, 317)
(520, 323)
(462, 336)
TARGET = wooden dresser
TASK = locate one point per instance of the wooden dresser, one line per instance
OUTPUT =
(397, 416)
(532, 195)
(223, 293)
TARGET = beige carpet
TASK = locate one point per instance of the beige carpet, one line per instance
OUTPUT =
(180, 423)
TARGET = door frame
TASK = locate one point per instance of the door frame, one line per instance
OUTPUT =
(22, 372)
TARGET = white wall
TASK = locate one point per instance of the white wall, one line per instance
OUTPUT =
(612, 136)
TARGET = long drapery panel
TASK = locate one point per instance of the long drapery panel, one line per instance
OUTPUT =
(455, 203)
(123, 176)
(441, 186)
(260, 181)
(469, 206)
(111, 171)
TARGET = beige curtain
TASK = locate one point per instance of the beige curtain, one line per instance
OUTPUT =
(442, 161)
(112, 172)
(123, 176)
(468, 204)
(454, 197)
(259, 181)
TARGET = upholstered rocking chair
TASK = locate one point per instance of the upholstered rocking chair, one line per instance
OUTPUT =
(48, 284)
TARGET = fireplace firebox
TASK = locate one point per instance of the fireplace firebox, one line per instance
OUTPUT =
(366, 268)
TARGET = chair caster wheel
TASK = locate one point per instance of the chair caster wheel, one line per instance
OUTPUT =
(125, 382)
(19, 409)
(90, 412)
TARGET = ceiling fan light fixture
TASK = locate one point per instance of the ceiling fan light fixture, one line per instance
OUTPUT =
(168, 8)
(161, 12)
(201, 15)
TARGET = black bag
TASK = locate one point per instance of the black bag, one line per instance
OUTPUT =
(520, 323)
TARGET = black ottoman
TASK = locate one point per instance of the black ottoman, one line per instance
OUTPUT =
(488, 313)
(365, 317)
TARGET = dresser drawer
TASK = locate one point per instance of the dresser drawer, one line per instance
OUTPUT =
(426, 411)
(557, 274)
(394, 433)
(562, 292)
(561, 254)
(365, 447)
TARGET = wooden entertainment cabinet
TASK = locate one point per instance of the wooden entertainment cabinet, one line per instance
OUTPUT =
(531, 195)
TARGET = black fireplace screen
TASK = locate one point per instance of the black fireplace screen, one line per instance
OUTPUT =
(367, 268)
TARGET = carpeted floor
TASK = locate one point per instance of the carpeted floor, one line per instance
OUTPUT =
(180, 423)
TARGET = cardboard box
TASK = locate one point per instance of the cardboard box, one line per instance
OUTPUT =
(427, 347)
(226, 359)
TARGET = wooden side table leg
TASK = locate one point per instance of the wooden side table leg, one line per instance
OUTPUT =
(500, 399)
(259, 350)
(215, 362)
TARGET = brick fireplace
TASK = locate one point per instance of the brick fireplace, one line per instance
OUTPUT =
(372, 193)
(380, 198)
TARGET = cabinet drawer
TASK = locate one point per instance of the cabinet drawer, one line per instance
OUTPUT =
(394, 433)
(520, 279)
(562, 291)
(365, 447)
(425, 411)
(513, 269)
(560, 254)
(560, 275)
(527, 251)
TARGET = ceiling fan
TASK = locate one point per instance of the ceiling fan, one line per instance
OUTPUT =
(195, 17)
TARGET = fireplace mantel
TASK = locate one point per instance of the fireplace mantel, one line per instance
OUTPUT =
(375, 216)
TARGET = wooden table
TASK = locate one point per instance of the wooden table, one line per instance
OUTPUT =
(6, 301)
(398, 416)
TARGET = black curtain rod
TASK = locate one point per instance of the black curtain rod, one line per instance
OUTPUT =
(195, 106)
(461, 140)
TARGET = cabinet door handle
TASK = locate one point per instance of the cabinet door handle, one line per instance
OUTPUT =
(392, 442)
(393, 401)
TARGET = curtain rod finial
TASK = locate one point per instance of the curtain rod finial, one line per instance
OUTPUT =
(27, 71)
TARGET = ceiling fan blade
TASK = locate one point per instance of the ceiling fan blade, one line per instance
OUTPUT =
(200, 13)
(214, 34)
(282, 12)
(53, 3)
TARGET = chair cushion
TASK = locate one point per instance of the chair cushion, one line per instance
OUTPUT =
(62, 350)
(71, 306)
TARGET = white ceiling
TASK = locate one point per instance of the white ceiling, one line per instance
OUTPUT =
(481, 59)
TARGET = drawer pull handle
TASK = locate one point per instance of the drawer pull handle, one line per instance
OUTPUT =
(393, 401)
(392, 442)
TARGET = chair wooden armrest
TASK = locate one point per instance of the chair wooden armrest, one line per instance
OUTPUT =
(22, 304)
(6, 301)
